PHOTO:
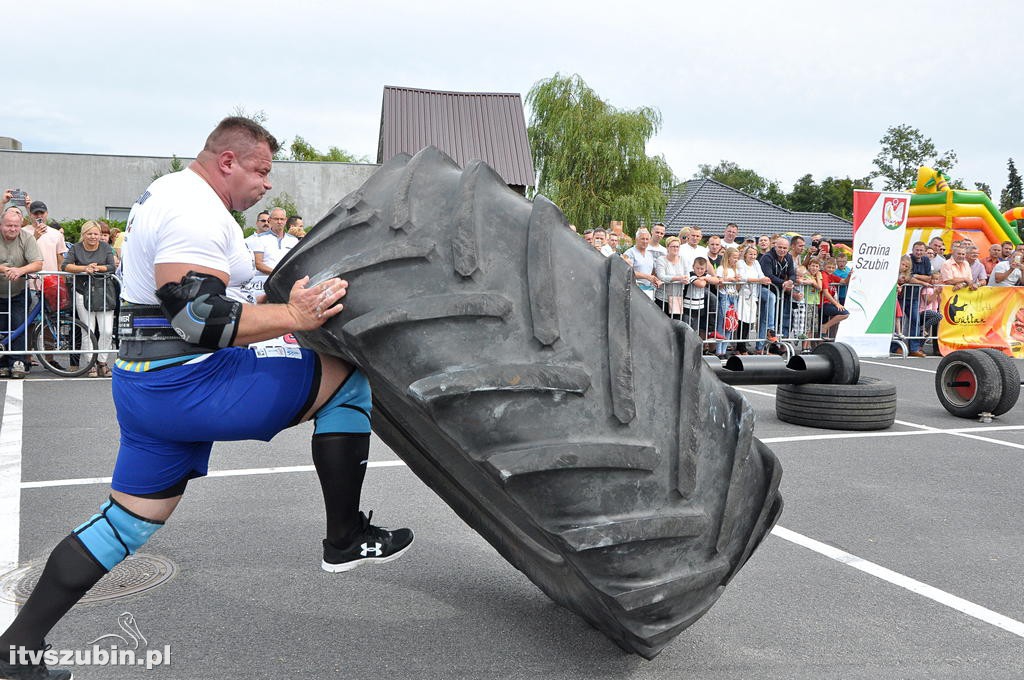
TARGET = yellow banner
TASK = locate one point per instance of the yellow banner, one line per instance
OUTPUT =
(992, 316)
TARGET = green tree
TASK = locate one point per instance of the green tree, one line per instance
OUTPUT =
(175, 166)
(837, 195)
(282, 200)
(591, 158)
(744, 179)
(983, 187)
(1012, 194)
(301, 150)
(904, 150)
(806, 195)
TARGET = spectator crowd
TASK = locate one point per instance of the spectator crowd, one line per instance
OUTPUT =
(32, 243)
(744, 295)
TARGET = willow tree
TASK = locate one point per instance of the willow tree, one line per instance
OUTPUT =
(591, 158)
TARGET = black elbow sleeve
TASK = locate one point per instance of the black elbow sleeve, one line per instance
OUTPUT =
(200, 311)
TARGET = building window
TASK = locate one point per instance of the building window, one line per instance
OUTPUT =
(119, 214)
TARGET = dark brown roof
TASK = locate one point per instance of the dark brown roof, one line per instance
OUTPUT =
(487, 126)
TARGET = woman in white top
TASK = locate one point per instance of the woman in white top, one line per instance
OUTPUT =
(728, 296)
(752, 276)
(673, 274)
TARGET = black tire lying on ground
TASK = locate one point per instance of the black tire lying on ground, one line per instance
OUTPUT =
(526, 380)
(1009, 379)
(870, 404)
(968, 383)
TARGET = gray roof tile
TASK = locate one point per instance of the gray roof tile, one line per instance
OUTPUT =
(711, 205)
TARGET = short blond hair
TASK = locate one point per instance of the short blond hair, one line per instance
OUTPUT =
(87, 226)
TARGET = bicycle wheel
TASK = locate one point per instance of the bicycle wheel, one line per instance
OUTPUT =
(67, 334)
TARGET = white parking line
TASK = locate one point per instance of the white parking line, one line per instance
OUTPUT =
(924, 430)
(923, 589)
(965, 432)
(906, 368)
(238, 472)
(10, 489)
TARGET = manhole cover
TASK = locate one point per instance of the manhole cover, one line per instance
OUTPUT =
(135, 575)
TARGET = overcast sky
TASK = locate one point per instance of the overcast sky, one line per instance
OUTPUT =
(785, 88)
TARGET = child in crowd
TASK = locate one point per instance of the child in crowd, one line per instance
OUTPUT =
(814, 284)
(930, 315)
(695, 300)
(842, 274)
(797, 312)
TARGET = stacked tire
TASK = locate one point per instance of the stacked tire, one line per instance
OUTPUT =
(977, 382)
(561, 414)
(847, 402)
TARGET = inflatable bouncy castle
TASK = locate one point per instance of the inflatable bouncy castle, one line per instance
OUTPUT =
(955, 214)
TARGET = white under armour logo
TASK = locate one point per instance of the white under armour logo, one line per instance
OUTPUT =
(367, 550)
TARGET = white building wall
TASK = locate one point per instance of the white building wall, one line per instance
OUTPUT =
(85, 185)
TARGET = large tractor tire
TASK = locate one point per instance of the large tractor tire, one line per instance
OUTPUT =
(526, 380)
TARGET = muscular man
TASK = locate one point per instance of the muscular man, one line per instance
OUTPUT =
(273, 244)
(184, 379)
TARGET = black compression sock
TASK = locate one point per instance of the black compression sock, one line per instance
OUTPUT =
(340, 461)
(69, 573)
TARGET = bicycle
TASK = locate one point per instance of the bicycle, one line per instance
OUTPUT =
(52, 331)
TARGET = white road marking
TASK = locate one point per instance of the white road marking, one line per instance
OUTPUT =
(10, 489)
(925, 430)
(923, 589)
(921, 429)
(240, 472)
(747, 389)
(907, 368)
(965, 433)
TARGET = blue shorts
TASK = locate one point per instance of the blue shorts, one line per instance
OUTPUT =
(170, 418)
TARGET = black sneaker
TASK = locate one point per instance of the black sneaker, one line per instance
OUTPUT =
(31, 671)
(371, 545)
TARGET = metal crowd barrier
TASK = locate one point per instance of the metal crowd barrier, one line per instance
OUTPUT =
(760, 308)
(917, 322)
(50, 315)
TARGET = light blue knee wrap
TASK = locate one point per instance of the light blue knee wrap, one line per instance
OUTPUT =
(115, 533)
(348, 410)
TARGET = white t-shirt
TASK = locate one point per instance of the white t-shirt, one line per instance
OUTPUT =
(180, 218)
(273, 248)
(1012, 280)
(690, 253)
(251, 242)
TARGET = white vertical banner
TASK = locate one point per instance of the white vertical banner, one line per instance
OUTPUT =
(879, 222)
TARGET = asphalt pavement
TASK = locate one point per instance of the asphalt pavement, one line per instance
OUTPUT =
(899, 555)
